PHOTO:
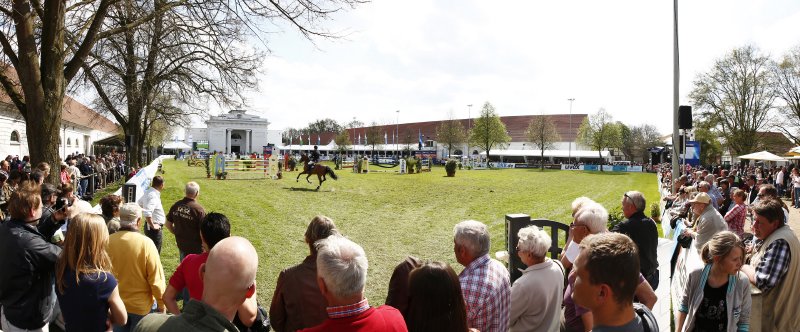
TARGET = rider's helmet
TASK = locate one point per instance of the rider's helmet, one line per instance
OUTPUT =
(315, 147)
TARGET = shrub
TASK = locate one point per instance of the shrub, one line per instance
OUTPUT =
(450, 167)
(615, 216)
(655, 212)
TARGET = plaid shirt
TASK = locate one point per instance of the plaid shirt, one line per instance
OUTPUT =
(349, 310)
(487, 291)
(774, 265)
(735, 219)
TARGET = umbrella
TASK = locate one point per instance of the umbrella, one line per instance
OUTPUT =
(176, 145)
(763, 155)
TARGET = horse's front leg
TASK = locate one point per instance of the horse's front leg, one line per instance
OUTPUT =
(308, 176)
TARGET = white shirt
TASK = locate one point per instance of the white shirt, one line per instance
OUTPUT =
(779, 178)
(536, 298)
(151, 206)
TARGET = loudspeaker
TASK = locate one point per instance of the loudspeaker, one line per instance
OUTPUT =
(685, 117)
(129, 141)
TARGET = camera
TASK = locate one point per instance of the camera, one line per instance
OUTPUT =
(61, 203)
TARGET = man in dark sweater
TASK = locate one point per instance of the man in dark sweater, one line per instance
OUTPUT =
(642, 230)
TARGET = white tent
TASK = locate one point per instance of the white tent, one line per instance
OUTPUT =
(176, 145)
(763, 155)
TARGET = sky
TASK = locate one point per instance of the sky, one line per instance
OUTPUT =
(426, 59)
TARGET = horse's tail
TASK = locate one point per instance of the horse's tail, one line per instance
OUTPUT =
(333, 175)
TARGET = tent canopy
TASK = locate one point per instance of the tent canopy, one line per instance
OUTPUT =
(176, 145)
(763, 155)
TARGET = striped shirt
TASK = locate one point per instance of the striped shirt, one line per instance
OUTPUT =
(774, 266)
(349, 310)
(487, 292)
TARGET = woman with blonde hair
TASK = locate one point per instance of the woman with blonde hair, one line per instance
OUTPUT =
(87, 291)
(717, 296)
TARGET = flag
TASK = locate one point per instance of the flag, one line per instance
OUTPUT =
(318, 140)
(301, 139)
(309, 139)
(420, 138)
(359, 138)
(365, 139)
(385, 138)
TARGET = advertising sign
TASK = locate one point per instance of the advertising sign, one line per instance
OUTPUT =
(692, 153)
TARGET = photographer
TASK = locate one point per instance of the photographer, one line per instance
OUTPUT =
(55, 210)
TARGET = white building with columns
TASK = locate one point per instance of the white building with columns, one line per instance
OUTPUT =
(235, 132)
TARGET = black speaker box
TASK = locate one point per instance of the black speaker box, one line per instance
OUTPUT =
(685, 117)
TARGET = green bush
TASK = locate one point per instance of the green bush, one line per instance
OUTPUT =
(411, 165)
(450, 167)
(615, 216)
(655, 212)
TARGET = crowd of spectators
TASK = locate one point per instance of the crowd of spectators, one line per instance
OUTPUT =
(738, 221)
(45, 278)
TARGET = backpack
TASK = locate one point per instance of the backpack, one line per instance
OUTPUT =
(648, 320)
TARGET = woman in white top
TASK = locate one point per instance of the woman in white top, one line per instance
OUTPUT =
(536, 296)
(796, 188)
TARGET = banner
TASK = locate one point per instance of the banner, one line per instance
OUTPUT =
(692, 153)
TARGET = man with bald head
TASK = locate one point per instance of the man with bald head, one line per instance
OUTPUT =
(229, 276)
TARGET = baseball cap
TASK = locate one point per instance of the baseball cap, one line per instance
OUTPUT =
(701, 198)
(129, 212)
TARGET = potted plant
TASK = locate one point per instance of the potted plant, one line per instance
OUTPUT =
(655, 212)
(208, 167)
(450, 168)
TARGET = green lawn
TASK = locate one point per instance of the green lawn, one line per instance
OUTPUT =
(390, 215)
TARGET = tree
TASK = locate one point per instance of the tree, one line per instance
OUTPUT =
(786, 74)
(342, 140)
(488, 131)
(736, 95)
(407, 137)
(324, 126)
(542, 134)
(600, 132)
(374, 137)
(46, 43)
(451, 133)
(710, 146)
(637, 139)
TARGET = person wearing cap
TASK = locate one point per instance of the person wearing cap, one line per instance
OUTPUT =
(707, 220)
(137, 267)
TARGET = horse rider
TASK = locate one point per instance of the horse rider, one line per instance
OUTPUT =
(313, 158)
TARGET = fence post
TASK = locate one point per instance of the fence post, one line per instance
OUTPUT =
(514, 222)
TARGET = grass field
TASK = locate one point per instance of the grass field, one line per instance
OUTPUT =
(390, 215)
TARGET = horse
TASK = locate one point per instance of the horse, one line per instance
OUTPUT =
(320, 170)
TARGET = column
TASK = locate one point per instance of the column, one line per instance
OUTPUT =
(247, 141)
(228, 140)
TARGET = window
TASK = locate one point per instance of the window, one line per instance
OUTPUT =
(69, 141)
(15, 136)
(236, 136)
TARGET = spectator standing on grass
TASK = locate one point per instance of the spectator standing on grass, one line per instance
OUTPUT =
(87, 291)
(184, 219)
(214, 228)
(153, 211)
(27, 265)
(297, 302)
(109, 205)
(342, 276)
(780, 180)
(774, 267)
(642, 230)
(537, 295)
(717, 296)
(608, 292)
(436, 303)
(485, 282)
(137, 267)
(230, 273)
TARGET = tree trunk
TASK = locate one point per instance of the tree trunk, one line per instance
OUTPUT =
(542, 160)
(600, 153)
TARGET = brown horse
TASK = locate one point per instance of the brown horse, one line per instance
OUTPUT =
(320, 170)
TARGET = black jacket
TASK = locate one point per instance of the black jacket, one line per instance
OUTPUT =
(27, 275)
(642, 230)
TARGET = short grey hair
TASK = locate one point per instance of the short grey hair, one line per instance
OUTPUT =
(473, 235)
(704, 185)
(595, 217)
(710, 178)
(578, 203)
(637, 199)
(534, 240)
(343, 265)
(192, 188)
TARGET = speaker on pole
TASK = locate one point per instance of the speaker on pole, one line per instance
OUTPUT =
(684, 117)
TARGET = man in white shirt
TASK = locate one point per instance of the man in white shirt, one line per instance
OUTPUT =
(153, 211)
(779, 180)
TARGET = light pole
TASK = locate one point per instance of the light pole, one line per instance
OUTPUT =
(469, 127)
(569, 158)
(353, 124)
(396, 132)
